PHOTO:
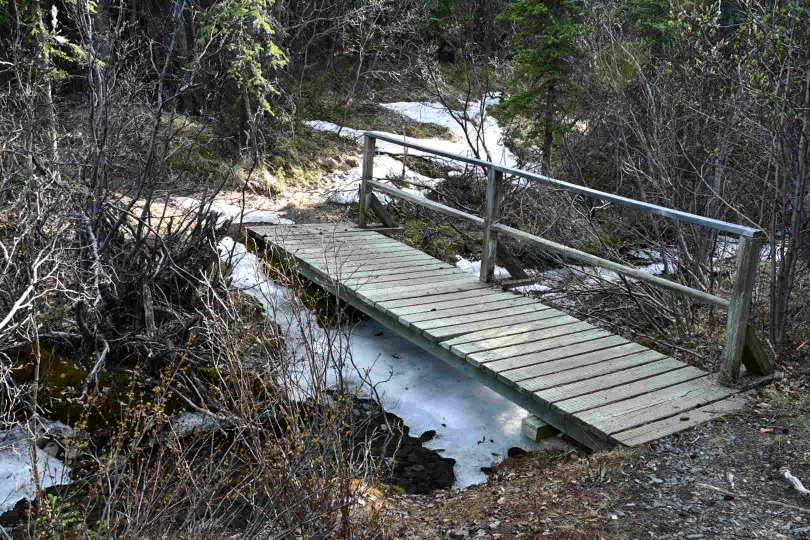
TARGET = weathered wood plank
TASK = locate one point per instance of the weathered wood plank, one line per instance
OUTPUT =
(630, 389)
(331, 243)
(394, 269)
(402, 260)
(354, 259)
(518, 362)
(452, 303)
(492, 315)
(516, 339)
(360, 249)
(662, 428)
(523, 349)
(655, 405)
(510, 330)
(401, 293)
(452, 310)
(397, 280)
(614, 372)
(573, 362)
(364, 285)
(391, 304)
(447, 332)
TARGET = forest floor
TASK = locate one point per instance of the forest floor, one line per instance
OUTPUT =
(717, 481)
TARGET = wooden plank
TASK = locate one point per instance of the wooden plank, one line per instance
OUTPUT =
(331, 243)
(365, 285)
(364, 249)
(573, 362)
(630, 389)
(516, 339)
(446, 332)
(357, 263)
(491, 315)
(354, 259)
(401, 293)
(392, 304)
(517, 362)
(392, 270)
(451, 303)
(522, 354)
(655, 405)
(379, 208)
(321, 236)
(613, 372)
(509, 330)
(740, 307)
(393, 273)
(398, 280)
(451, 309)
(662, 428)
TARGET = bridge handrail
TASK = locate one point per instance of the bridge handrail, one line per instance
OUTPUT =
(716, 224)
(747, 255)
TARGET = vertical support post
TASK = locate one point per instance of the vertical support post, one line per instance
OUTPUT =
(369, 146)
(747, 264)
(492, 215)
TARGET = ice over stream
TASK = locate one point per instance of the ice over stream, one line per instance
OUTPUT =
(473, 424)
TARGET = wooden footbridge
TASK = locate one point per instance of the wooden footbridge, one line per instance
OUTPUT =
(599, 388)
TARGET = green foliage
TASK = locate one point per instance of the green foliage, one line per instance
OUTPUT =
(547, 40)
(546, 47)
(246, 29)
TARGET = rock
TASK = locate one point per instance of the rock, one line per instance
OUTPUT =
(516, 451)
(427, 435)
(494, 525)
(459, 533)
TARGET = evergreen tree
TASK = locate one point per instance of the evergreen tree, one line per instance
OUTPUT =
(545, 50)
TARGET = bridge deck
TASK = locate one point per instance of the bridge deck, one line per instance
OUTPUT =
(600, 388)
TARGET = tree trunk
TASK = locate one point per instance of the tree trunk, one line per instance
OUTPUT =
(548, 129)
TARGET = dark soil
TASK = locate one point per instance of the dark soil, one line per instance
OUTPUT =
(412, 467)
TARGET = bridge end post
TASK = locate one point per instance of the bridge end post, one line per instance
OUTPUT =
(369, 146)
(740, 306)
(493, 214)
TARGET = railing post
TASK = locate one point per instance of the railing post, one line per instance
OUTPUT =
(369, 145)
(740, 306)
(492, 215)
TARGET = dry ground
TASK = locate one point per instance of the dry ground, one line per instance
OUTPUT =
(717, 481)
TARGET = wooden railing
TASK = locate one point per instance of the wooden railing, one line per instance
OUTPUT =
(738, 306)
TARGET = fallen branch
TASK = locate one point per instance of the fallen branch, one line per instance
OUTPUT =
(795, 482)
(765, 501)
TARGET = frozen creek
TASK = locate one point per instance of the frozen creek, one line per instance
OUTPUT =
(474, 425)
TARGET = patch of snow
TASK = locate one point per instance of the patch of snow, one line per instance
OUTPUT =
(464, 125)
(347, 187)
(234, 212)
(474, 267)
(19, 457)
